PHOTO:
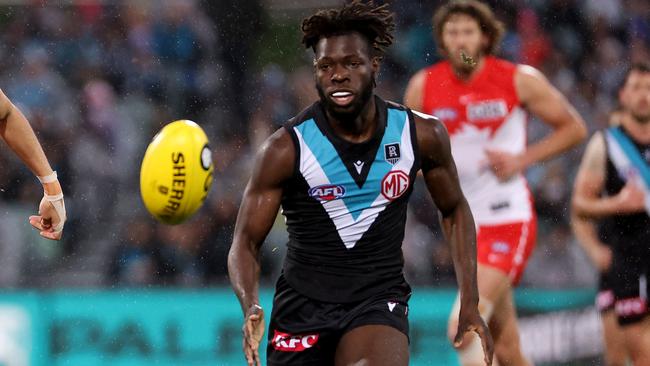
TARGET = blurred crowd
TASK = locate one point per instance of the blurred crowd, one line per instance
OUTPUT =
(98, 79)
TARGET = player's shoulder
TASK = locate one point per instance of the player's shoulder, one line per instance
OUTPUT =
(528, 72)
(530, 82)
(278, 146)
(598, 141)
(429, 129)
(426, 121)
(275, 160)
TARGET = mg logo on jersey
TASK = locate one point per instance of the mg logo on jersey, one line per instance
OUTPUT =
(327, 192)
(293, 343)
(394, 184)
(487, 110)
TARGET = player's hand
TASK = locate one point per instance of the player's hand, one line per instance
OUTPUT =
(470, 320)
(503, 164)
(253, 330)
(630, 199)
(51, 213)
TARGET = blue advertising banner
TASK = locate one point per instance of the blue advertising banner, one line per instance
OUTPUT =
(149, 327)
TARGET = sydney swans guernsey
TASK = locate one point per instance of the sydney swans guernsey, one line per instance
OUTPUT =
(480, 114)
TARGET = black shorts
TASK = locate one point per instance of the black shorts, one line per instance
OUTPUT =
(303, 331)
(631, 295)
(605, 297)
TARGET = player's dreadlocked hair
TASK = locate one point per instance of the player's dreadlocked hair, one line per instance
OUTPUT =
(375, 23)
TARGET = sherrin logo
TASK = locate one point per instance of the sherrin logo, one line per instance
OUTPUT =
(327, 192)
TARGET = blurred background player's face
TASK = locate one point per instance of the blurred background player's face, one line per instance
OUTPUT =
(461, 32)
(635, 96)
(344, 74)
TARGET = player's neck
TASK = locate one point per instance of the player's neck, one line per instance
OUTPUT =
(468, 73)
(357, 129)
(640, 131)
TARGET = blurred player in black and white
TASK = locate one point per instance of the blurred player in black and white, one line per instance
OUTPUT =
(612, 187)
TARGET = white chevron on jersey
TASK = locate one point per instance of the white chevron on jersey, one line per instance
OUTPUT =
(349, 229)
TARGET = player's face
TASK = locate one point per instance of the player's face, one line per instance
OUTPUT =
(462, 33)
(635, 95)
(344, 74)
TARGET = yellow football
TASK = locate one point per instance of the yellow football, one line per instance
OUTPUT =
(176, 172)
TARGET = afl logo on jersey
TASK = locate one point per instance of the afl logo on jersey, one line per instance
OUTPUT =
(394, 184)
(327, 192)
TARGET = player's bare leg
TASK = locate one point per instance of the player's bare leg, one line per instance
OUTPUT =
(615, 353)
(492, 285)
(504, 328)
(375, 345)
(637, 340)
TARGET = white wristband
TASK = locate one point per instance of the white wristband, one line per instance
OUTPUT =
(48, 178)
(53, 198)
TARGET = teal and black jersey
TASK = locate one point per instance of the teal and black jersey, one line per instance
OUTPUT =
(628, 234)
(345, 206)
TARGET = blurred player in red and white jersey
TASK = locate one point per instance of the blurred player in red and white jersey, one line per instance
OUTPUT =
(484, 102)
(19, 136)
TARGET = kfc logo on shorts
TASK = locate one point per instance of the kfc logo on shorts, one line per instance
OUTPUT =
(631, 307)
(394, 184)
(293, 343)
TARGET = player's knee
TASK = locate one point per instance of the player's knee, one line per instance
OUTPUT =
(471, 352)
(509, 354)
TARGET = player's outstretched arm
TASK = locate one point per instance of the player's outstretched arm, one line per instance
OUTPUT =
(273, 166)
(19, 136)
(543, 100)
(440, 176)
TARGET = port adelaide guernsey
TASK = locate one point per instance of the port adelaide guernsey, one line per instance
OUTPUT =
(345, 205)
